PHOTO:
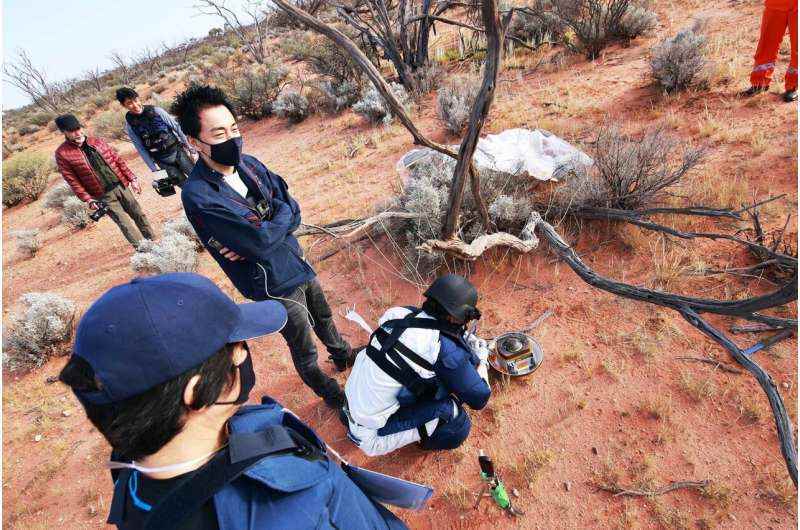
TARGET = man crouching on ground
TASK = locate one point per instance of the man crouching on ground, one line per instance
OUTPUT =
(163, 380)
(245, 217)
(408, 385)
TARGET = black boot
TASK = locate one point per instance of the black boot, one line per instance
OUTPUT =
(790, 95)
(753, 90)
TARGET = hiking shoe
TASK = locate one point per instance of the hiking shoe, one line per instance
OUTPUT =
(343, 363)
(753, 90)
(790, 95)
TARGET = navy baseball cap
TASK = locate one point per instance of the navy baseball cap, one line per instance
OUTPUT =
(146, 332)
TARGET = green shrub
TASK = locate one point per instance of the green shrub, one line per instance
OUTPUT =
(253, 90)
(29, 129)
(42, 119)
(110, 124)
(25, 176)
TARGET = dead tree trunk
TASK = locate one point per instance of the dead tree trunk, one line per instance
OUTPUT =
(483, 102)
(479, 112)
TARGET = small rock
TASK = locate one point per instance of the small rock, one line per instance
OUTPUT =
(92, 511)
(732, 517)
(37, 438)
(594, 450)
(568, 485)
(66, 413)
(515, 492)
(785, 385)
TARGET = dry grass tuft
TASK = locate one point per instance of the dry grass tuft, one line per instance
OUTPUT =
(697, 388)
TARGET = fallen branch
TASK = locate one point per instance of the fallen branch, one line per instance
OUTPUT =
(472, 251)
(624, 492)
(352, 227)
(754, 328)
(715, 363)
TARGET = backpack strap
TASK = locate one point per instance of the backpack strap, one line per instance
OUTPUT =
(243, 451)
(392, 355)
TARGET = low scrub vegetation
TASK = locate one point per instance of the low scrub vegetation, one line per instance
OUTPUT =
(110, 125)
(680, 62)
(252, 89)
(25, 176)
(373, 107)
(454, 102)
(39, 332)
(174, 252)
(75, 213)
(537, 26)
(28, 243)
(628, 173)
(598, 23)
(57, 195)
(292, 105)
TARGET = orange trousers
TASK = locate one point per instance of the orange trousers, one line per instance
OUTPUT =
(778, 15)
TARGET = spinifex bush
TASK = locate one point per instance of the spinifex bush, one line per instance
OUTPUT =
(25, 176)
(28, 242)
(454, 102)
(373, 107)
(75, 213)
(174, 252)
(679, 62)
(40, 331)
(291, 105)
(57, 195)
(628, 173)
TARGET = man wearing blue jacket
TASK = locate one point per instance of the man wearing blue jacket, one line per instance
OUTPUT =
(159, 140)
(419, 368)
(164, 382)
(244, 215)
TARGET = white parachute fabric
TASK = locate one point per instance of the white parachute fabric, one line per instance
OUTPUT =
(527, 153)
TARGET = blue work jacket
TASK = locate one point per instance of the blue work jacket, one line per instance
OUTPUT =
(285, 491)
(224, 219)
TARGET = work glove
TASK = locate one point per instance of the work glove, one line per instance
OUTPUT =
(478, 346)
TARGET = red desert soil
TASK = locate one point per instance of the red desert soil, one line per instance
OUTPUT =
(611, 402)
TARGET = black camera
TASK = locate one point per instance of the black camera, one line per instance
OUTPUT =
(264, 210)
(166, 186)
(102, 209)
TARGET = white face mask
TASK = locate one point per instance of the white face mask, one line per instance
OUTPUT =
(161, 469)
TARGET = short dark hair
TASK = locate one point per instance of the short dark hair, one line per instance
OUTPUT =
(195, 99)
(126, 93)
(143, 424)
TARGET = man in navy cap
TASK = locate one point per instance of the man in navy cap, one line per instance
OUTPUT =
(164, 380)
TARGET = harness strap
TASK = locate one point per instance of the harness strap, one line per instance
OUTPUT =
(243, 451)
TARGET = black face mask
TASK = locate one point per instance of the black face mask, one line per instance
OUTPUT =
(247, 380)
(227, 153)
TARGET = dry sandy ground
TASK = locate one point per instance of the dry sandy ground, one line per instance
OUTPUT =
(611, 402)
